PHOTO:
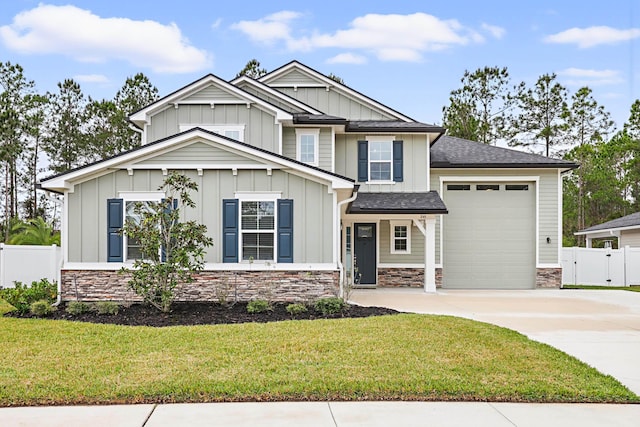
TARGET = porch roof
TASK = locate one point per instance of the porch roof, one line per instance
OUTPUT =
(428, 202)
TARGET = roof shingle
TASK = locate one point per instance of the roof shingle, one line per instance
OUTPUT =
(428, 202)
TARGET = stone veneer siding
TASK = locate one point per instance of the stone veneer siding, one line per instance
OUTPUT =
(405, 277)
(297, 286)
(548, 277)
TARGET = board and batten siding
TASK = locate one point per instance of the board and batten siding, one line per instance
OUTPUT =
(547, 204)
(200, 153)
(415, 154)
(313, 209)
(260, 129)
(335, 103)
(289, 146)
(417, 246)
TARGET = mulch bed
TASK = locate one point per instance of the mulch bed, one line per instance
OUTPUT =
(201, 313)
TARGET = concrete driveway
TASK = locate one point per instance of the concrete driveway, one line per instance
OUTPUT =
(601, 328)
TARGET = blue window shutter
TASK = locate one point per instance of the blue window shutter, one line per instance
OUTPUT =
(397, 161)
(363, 161)
(115, 211)
(230, 230)
(285, 230)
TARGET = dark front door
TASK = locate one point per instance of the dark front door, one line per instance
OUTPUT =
(365, 253)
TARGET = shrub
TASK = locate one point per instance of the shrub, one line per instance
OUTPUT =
(107, 307)
(296, 308)
(22, 296)
(329, 305)
(78, 307)
(41, 308)
(258, 306)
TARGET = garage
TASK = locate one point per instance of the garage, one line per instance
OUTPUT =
(490, 235)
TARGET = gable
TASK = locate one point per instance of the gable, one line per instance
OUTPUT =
(295, 77)
(212, 94)
(199, 153)
(275, 100)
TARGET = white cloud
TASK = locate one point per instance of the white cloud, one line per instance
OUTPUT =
(86, 37)
(390, 37)
(495, 31)
(270, 29)
(590, 77)
(347, 58)
(593, 36)
(216, 24)
(91, 78)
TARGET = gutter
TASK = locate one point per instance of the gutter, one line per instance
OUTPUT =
(354, 194)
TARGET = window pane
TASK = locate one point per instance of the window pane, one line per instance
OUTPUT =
(380, 172)
(134, 211)
(380, 150)
(307, 148)
(400, 231)
(257, 246)
(234, 134)
(258, 215)
(400, 244)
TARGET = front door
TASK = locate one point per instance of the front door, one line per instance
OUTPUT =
(365, 253)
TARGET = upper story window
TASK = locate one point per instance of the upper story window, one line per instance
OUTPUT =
(380, 160)
(230, 131)
(307, 141)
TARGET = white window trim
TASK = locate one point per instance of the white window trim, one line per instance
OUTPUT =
(316, 148)
(135, 196)
(258, 197)
(392, 237)
(220, 129)
(379, 138)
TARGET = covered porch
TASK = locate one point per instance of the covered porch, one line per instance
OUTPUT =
(389, 239)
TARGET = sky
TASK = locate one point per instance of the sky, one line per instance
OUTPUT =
(409, 55)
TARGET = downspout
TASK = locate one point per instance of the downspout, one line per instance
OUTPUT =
(354, 194)
(47, 195)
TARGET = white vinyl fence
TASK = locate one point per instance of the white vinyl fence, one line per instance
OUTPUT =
(603, 267)
(25, 263)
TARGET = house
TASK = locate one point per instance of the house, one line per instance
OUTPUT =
(307, 185)
(626, 230)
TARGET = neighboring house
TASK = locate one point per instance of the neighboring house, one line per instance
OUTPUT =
(306, 185)
(625, 229)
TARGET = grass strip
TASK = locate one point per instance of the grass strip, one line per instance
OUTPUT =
(632, 288)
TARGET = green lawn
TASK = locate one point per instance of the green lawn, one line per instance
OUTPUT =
(633, 288)
(408, 356)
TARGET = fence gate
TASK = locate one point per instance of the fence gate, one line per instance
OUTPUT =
(601, 267)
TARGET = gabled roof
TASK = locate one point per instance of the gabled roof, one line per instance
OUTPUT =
(625, 223)
(277, 94)
(295, 65)
(428, 202)
(66, 180)
(140, 116)
(452, 152)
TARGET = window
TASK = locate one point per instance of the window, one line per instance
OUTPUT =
(487, 187)
(134, 249)
(307, 145)
(516, 187)
(257, 229)
(230, 131)
(458, 187)
(380, 160)
(400, 237)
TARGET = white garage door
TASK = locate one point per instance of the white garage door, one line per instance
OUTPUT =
(489, 235)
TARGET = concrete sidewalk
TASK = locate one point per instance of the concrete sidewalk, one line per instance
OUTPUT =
(325, 414)
(601, 328)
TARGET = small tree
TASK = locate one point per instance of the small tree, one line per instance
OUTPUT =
(172, 250)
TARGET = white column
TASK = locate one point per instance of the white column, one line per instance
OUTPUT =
(430, 255)
(589, 242)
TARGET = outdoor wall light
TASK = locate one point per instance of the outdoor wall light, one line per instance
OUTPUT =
(548, 240)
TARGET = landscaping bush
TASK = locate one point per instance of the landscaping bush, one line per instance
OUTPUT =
(78, 307)
(329, 305)
(258, 306)
(22, 296)
(296, 308)
(107, 307)
(41, 308)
